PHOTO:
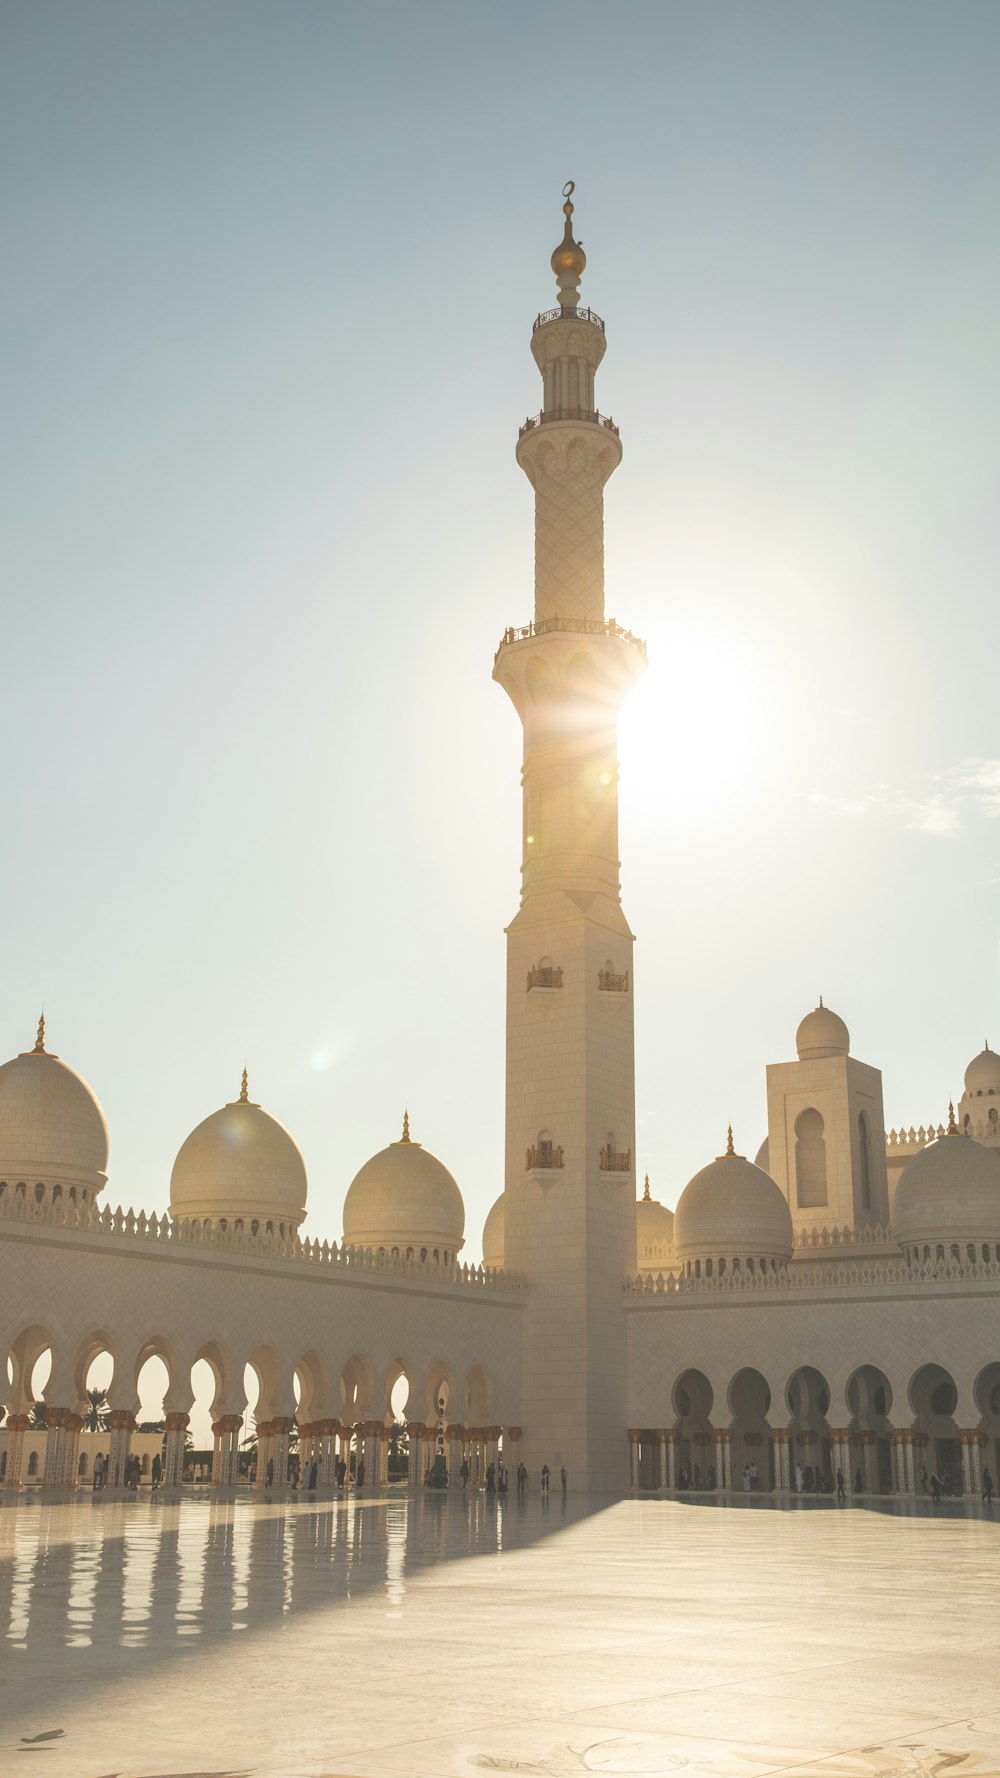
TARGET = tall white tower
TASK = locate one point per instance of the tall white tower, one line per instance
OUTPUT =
(569, 1209)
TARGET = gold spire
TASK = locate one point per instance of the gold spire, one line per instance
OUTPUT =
(953, 1129)
(405, 1137)
(730, 1150)
(821, 1000)
(569, 260)
(39, 1049)
(244, 1098)
(645, 1195)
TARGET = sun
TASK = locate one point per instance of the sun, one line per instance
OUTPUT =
(694, 729)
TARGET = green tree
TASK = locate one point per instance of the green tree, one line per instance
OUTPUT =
(98, 1407)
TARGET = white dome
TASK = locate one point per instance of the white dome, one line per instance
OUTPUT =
(654, 1234)
(732, 1210)
(762, 1158)
(983, 1074)
(950, 1191)
(239, 1165)
(405, 1199)
(52, 1128)
(821, 1033)
(493, 1233)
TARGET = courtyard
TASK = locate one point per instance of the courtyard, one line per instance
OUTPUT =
(451, 1635)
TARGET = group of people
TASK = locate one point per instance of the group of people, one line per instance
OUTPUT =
(131, 1475)
(498, 1476)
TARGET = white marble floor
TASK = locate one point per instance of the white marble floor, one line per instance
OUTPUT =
(445, 1637)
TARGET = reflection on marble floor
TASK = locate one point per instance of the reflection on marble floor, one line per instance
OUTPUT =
(447, 1636)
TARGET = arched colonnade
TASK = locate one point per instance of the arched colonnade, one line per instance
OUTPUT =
(885, 1435)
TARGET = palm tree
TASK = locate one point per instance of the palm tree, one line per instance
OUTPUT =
(96, 1417)
(39, 1416)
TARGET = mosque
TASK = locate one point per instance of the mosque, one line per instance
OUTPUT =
(833, 1304)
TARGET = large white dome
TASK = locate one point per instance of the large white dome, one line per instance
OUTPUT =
(654, 1234)
(732, 1211)
(240, 1165)
(821, 1033)
(52, 1128)
(493, 1236)
(405, 1200)
(983, 1074)
(949, 1192)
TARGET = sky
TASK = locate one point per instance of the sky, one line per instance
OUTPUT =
(264, 324)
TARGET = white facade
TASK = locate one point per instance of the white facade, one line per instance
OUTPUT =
(781, 1325)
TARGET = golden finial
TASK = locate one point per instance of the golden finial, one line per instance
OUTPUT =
(645, 1195)
(953, 1129)
(821, 1000)
(39, 1049)
(569, 260)
(244, 1098)
(405, 1137)
(730, 1150)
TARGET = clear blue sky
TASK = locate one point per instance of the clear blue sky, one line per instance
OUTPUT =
(270, 273)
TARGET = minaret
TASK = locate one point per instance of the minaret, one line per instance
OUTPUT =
(569, 1203)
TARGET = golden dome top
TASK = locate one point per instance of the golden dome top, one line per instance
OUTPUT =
(569, 260)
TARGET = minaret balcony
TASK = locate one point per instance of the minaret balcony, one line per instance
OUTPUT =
(550, 414)
(612, 984)
(544, 976)
(570, 626)
(548, 315)
(613, 1161)
(543, 1157)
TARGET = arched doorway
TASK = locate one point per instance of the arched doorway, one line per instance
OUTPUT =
(808, 1399)
(752, 1453)
(695, 1455)
(869, 1398)
(936, 1437)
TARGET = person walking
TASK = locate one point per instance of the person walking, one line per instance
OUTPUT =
(545, 1478)
(341, 1473)
(522, 1478)
(935, 1486)
(359, 1479)
(923, 1478)
(491, 1478)
(987, 1488)
(463, 1473)
(841, 1490)
(563, 1477)
(799, 1478)
(313, 1473)
(156, 1471)
(753, 1477)
(269, 1473)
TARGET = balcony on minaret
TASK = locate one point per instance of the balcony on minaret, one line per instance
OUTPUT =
(543, 1156)
(544, 975)
(610, 983)
(589, 416)
(614, 1159)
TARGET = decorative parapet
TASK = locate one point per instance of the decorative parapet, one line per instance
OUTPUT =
(608, 983)
(548, 977)
(20, 1208)
(872, 1272)
(875, 1235)
(589, 415)
(561, 314)
(985, 1130)
(569, 626)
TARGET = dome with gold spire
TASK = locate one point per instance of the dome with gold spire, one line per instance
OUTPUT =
(53, 1132)
(569, 262)
(240, 1165)
(493, 1236)
(654, 1234)
(732, 1214)
(404, 1201)
(949, 1193)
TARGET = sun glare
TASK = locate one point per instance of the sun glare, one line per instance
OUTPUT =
(693, 730)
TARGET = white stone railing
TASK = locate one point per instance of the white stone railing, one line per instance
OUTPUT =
(870, 1272)
(874, 1236)
(162, 1231)
(983, 1131)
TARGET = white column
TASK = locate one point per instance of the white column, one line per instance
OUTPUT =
(661, 1439)
(633, 1439)
(121, 1424)
(723, 1440)
(55, 1457)
(72, 1428)
(175, 1426)
(16, 1426)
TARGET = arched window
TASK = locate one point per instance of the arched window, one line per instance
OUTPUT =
(864, 1154)
(33, 1463)
(81, 1468)
(810, 1160)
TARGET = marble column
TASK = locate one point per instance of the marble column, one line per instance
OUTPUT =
(661, 1455)
(723, 1459)
(896, 1453)
(175, 1426)
(840, 1440)
(55, 1449)
(454, 1435)
(869, 1462)
(909, 1468)
(415, 1430)
(633, 1453)
(225, 1453)
(972, 1480)
(281, 1431)
(16, 1425)
(327, 1477)
(782, 1440)
(264, 1452)
(121, 1425)
(72, 1428)
(672, 1437)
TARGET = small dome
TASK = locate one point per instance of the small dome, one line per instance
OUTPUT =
(950, 1191)
(240, 1164)
(52, 1128)
(493, 1231)
(405, 1199)
(732, 1210)
(983, 1073)
(822, 1033)
(762, 1158)
(654, 1234)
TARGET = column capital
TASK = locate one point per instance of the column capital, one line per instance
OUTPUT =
(121, 1419)
(178, 1422)
(723, 1435)
(514, 1433)
(17, 1422)
(283, 1424)
(840, 1435)
(780, 1435)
